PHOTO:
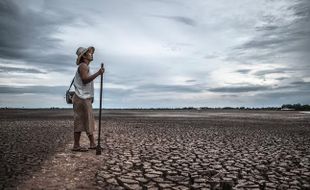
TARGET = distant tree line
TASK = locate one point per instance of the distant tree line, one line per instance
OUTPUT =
(297, 107)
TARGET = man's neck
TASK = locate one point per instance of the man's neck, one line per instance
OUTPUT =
(86, 61)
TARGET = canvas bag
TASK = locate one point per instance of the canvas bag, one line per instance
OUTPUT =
(69, 94)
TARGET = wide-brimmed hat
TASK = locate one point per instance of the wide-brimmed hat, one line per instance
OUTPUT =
(81, 51)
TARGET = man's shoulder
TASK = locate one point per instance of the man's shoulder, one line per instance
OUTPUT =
(82, 64)
(84, 67)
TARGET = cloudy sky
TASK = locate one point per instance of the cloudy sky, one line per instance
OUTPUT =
(157, 53)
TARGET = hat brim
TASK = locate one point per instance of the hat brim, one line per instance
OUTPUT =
(80, 56)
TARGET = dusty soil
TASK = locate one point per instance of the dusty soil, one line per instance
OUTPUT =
(158, 150)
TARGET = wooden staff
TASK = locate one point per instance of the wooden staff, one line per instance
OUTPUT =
(98, 149)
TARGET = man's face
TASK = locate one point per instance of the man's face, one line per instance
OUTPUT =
(89, 55)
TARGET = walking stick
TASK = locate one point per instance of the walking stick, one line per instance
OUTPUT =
(98, 149)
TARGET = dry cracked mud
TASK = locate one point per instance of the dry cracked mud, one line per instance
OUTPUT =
(163, 150)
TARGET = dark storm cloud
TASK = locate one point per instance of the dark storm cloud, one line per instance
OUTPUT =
(268, 43)
(238, 89)
(184, 20)
(53, 61)
(244, 56)
(273, 35)
(60, 90)
(190, 81)
(284, 36)
(286, 97)
(166, 1)
(170, 88)
(293, 86)
(270, 71)
(115, 93)
(280, 40)
(229, 96)
(278, 37)
(179, 19)
(282, 78)
(4, 69)
(243, 71)
(264, 28)
(26, 34)
(210, 56)
(34, 89)
(302, 9)
(301, 84)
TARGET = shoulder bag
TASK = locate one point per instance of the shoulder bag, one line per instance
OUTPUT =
(69, 94)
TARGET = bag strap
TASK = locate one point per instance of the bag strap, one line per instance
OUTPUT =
(71, 83)
(73, 78)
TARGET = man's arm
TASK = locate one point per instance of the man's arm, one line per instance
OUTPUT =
(84, 74)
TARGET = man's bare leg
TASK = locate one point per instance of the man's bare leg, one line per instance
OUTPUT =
(77, 136)
(91, 140)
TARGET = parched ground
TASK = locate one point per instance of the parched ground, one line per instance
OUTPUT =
(158, 150)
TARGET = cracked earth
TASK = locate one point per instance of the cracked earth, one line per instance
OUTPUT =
(163, 150)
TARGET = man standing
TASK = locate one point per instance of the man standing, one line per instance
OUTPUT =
(82, 100)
